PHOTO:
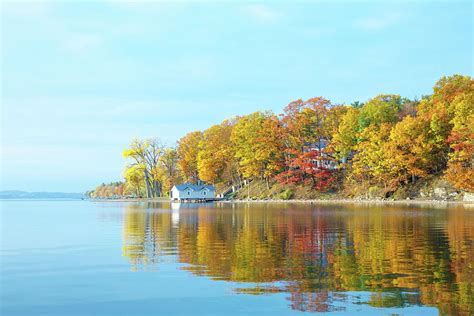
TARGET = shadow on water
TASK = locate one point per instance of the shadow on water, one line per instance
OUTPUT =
(321, 255)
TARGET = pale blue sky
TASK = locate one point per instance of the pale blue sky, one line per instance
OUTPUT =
(81, 79)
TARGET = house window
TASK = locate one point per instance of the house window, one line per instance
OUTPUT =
(204, 192)
(189, 193)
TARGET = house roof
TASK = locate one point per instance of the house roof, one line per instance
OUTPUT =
(194, 187)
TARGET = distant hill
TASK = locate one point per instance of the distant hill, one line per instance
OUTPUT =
(39, 195)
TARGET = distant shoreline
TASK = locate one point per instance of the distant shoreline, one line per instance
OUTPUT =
(42, 195)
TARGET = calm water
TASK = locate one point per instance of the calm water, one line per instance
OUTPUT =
(107, 258)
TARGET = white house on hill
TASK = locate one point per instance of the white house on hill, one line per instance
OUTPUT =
(325, 160)
(187, 191)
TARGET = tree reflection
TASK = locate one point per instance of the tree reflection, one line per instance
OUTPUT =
(316, 253)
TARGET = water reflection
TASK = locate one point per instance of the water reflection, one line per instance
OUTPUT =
(391, 256)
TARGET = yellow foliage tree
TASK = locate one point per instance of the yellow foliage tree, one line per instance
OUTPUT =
(460, 171)
(370, 163)
(345, 139)
(258, 144)
(215, 160)
(188, 149)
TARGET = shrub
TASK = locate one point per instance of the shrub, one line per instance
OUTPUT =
(287, 194)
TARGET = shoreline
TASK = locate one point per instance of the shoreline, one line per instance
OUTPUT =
(311, 201)
(359, 201)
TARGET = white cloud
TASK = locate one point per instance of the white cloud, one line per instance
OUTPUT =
(379, 22)
(261, 13)
(26, 9)
(82, 43)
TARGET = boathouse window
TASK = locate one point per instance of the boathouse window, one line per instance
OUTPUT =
(204, 192)
(189, 193)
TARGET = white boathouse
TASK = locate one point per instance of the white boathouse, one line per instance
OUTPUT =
(193, 192)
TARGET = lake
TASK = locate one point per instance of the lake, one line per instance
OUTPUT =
(142, 258)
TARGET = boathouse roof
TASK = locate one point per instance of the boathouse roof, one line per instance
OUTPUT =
(194, 187)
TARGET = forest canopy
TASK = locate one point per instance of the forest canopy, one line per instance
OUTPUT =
(387, 142)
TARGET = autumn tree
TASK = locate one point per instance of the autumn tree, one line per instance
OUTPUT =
(303, 168)
(460, 171)
(383, 108)
(370, 164)
(188, 149)
(270, 145)
(168, 169)
(408, 150)
(333, 118)
(346, 137)
(134, 180)
(419, 144)
(439, 113)
(258, 143)
(306, 121)
(309, 122)
(107, 191)
(147, 154)
(216, 158)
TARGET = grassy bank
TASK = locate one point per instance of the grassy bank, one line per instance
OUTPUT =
(433, 188)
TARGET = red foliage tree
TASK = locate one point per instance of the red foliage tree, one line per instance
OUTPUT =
(303, 168)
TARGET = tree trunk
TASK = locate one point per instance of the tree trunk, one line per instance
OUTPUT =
(148, 186)
(248, 190)
(157, 189)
